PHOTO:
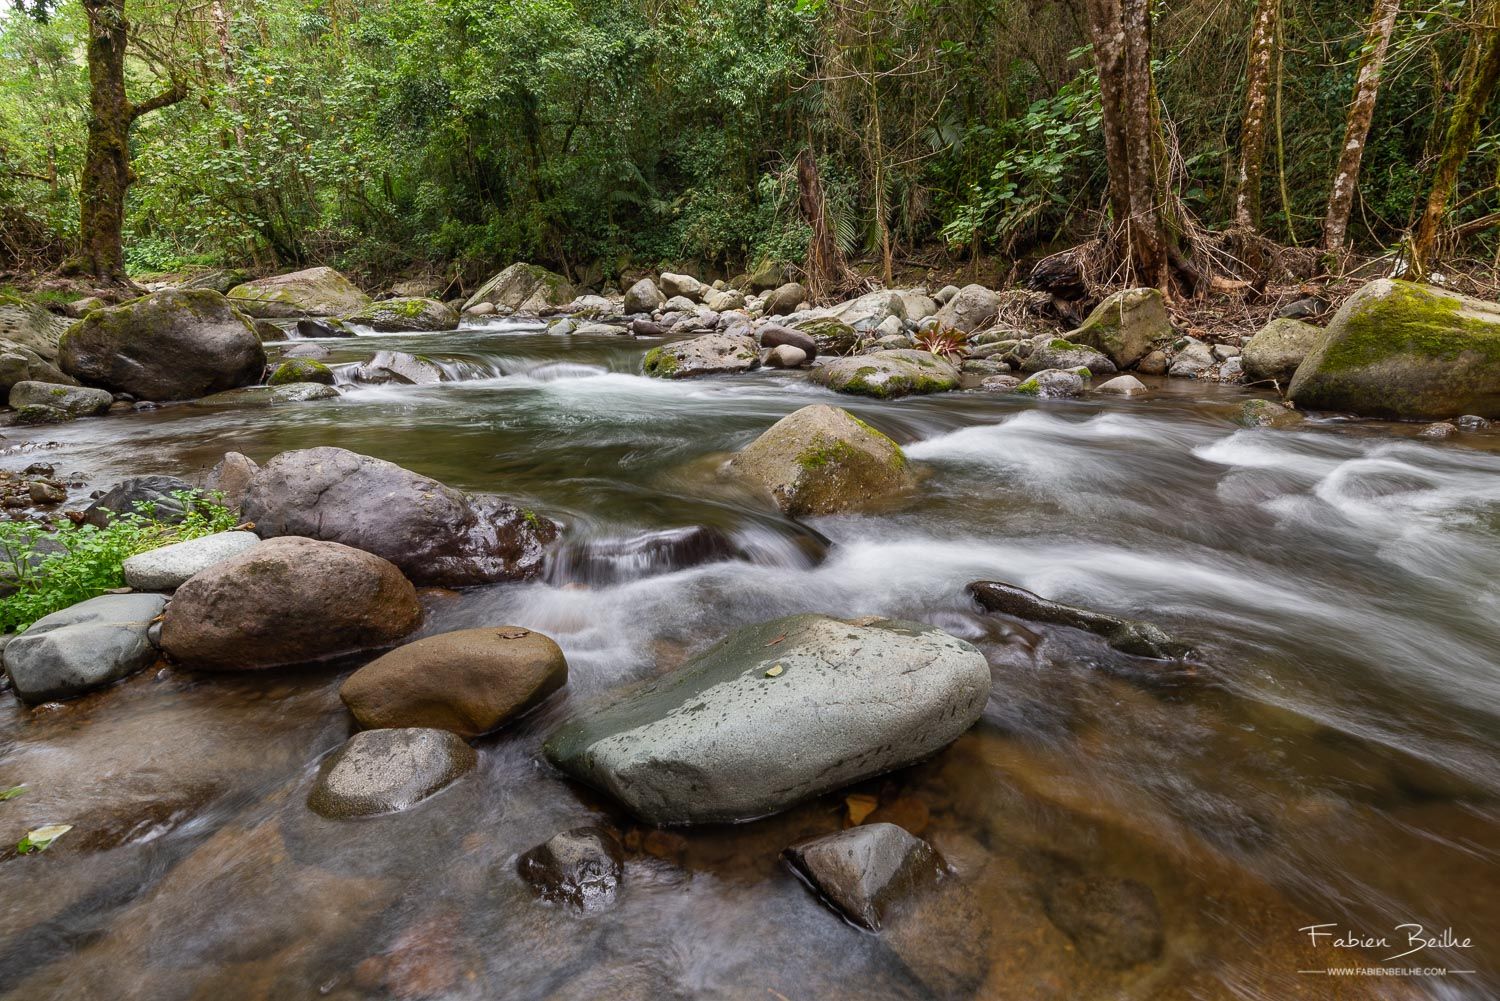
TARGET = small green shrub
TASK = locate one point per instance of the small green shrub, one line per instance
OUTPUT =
(91, 560)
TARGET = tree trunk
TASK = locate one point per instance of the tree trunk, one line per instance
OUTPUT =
(106, 167)
(1361, 111)
(825, 267)
(1253, 125)
(1134, 148)
(1463, 128)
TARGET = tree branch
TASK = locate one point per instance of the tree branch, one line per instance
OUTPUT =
(166, 98)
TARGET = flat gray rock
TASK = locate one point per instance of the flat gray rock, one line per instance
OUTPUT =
(386, 771)
(776, 713)
(168, 568)
(83, 647)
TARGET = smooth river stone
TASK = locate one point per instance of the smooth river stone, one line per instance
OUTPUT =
(386, 771)
(168, 568)
(776, 713)
(83, 647)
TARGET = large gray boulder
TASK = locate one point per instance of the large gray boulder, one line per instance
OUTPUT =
(821, 459)
(1274, 353)
(887, 374)
(868, 311)
(406, 313)
(165, 346)
(75, 401)
(28, 343)
(1406, 351)
(167, 568)
(437, 535)
(687, 286)
(1126, 325)
(386, 771)
(644, 297)
(400, 368)
(973, 308)
(1058, 353)
(776, 713)
(522, 288)
(784, 300)
(711, 354)
(83, 647)
(318, 291)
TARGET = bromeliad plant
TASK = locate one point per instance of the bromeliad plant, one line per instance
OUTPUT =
(51, 570)
(945, 342)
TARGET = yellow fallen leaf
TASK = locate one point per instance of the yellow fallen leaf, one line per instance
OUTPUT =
(774, 672)
(860, 806)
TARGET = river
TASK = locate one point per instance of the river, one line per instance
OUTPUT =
(1330, 756)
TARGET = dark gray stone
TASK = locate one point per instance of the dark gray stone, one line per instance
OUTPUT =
(865, 872)
(128, 496)
(581, 867)
(77, 401)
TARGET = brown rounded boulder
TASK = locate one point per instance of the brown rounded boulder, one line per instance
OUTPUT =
(468, 682)
(288, 601)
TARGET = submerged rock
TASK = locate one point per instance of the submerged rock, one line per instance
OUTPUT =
(318, 291)
(521, 288)
(468, 682)
(1114, 922)
(711, 354)
(437, 535)
(821, 459)
(169, 567)
(1267, 414)
(287, 602)
(865, 872)
(83, 647)
(776, 713)
(406, 313)
(1140, 639)
(887, 374)
(269, 396)
(601, 562)
(1126, 325)
(1406, 351)
(165, 346)
(581, 867)
(386, 771)
(398, 367)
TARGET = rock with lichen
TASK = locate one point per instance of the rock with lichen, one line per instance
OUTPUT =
(888, 374)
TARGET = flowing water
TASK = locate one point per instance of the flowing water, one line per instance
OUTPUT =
(1331, 756)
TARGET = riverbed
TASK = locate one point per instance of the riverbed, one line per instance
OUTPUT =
(1330, 755)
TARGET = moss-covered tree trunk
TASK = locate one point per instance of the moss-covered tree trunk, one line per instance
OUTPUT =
(1263, 33)
(1134, 147)
(106, 167)
(1361, 113)
(1463, 128)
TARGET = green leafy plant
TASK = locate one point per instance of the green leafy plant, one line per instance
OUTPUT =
(11, 793)
(42, 838)
(945, 342)
(53, 570)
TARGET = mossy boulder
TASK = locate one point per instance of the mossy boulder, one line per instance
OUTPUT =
(1411, 352)
(406, 313)
(1266, 414)
(832, 335)
(1126, 325)
(888, 374)
(1274, 353)
(29, 336)
(270, 396)
(1054, 384)
(821, 459)
(1059, 353)
(77, 401)
(711, 354)
(523, 288)
(165, 346)
(219, 280)
(312, 292)
(301, 370)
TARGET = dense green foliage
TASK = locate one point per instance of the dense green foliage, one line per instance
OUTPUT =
(53, 570)
(593, 135)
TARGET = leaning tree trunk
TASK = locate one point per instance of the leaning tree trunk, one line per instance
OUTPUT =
(1253, 125)
(1361, 111)
(106, 166)
(1463, 128)
(825, 266)
(1134, 147)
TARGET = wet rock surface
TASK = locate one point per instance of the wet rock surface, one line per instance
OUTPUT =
(704, 744)
(887, 374)
(711, 354)
(1115, 922)
(581, 867)
(387, 771)
(867, 871)
(468, 682)
(1141, 639)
